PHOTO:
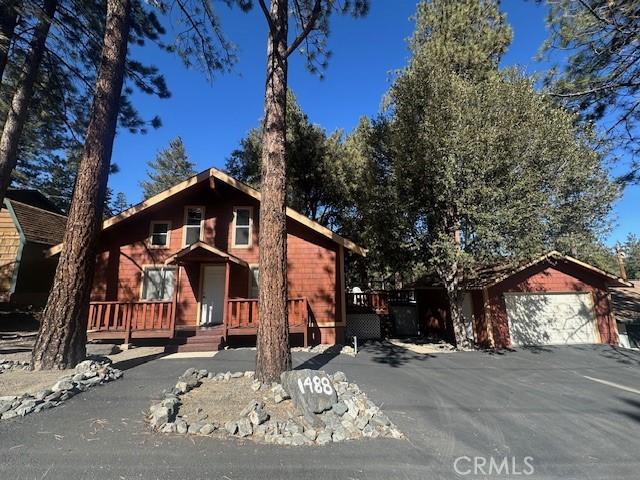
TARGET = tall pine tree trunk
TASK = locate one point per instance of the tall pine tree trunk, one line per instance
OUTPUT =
(17, 114)
(8, 19)
(274, 354)
(62, 337)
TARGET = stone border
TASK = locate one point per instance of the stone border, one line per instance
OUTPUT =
(6, 365)
(87, 374)
(352, 417)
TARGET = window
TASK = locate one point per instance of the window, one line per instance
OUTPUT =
(193, 221)
(242, 223)
(158, 283)
(160, 234)
(254, 277)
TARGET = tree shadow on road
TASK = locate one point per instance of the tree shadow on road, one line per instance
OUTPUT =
(394, 355)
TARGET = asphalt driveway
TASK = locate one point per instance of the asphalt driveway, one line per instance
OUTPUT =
(574, 411)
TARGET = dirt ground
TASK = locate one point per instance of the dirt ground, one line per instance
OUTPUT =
(223, 401)
(424, 346)
(15, 382)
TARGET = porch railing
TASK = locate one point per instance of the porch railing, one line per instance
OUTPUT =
(376, 302)
(128, 318)
(243, 313)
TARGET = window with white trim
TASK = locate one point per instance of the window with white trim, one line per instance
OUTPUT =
(193, 222)
(242, 223)
(158, 283)
(160, 234)
(254, 281)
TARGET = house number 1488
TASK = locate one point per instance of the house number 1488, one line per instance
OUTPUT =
(316, 385)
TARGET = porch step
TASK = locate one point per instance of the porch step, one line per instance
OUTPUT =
(196, 340)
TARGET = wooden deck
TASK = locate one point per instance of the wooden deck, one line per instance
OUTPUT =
(157, 319)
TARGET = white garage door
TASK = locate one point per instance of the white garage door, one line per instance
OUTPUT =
(551, 319)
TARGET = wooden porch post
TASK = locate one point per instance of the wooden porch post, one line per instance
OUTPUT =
(174, 304)
(225, 307)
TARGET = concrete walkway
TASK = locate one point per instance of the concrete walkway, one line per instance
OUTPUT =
(539, 403)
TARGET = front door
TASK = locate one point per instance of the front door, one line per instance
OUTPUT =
(212, 295)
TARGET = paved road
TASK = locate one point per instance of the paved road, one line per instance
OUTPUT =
(531, 403)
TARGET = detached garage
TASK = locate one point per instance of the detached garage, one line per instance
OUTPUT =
(554, 300)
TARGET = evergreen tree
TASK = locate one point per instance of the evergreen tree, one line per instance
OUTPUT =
(476, 149)
(170, 166)
(597, 41)
(631, 249)
(120, 204)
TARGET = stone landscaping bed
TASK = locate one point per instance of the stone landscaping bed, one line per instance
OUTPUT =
(35, 397)
(308, 408)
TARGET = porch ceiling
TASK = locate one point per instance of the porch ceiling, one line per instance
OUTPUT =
(200, 251)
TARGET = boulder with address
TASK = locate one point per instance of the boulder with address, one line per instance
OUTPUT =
(311, 391)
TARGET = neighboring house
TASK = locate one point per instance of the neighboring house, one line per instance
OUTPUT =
(553, 300)
(183, 266)
(29, 225)
(626, 307)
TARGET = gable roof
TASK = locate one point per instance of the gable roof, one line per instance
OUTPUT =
(201, 247)
(492, 275)
(209, 175)
(36, 224)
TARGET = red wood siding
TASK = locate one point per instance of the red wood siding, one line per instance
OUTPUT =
(313, 260)
(558, 278)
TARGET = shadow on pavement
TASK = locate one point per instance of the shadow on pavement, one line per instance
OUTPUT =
(393, 355)
(137, 361)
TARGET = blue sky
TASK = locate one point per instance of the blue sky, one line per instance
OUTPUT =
(211, 118)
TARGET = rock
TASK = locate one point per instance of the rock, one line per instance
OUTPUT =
(258, 416)
(5, 406)
(244, 428)
(195, 427)
(87, 366)
(352, 408)
(323, 438)
(256, 385)
(339, 377)
(207, 429)
(310, 433)
(189, 372)
(227, 376)
(231, 427)
(249, 374)
(251, 406)
(168, 428)
(279, 393)
(78, 377)
(310, 390)
(203, 373)
(211, 375)
(237, 374)
(181, 426)
(9, 414)
(340, 408)
(25, 407)
(380, 419)
(101, 349)
(361, 422)
(298, 439)
(62, 385)
(8, 398)
(293, 427)
(160, 416)
(339, 435)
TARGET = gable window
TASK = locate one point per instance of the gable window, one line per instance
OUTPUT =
(160, 234)
(193, 225)
(254, 277)
(158, 283)
(242, 223)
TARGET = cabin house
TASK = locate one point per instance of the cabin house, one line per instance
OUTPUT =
(29, 225)
(183, 266)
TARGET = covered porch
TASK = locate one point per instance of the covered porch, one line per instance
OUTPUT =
(220, 308)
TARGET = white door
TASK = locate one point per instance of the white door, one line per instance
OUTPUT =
(551, 319)
(212, 295)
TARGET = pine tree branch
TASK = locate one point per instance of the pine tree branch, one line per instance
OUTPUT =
(306, 29)
(267, 15)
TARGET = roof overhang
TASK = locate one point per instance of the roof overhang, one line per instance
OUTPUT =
(200, 251)
(210, 175)
(611, 280)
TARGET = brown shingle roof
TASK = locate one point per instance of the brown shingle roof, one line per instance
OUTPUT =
(626, 303)
(38, 225)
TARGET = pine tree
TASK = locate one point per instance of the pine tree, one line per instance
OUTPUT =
(311, 17)
(171, 166)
